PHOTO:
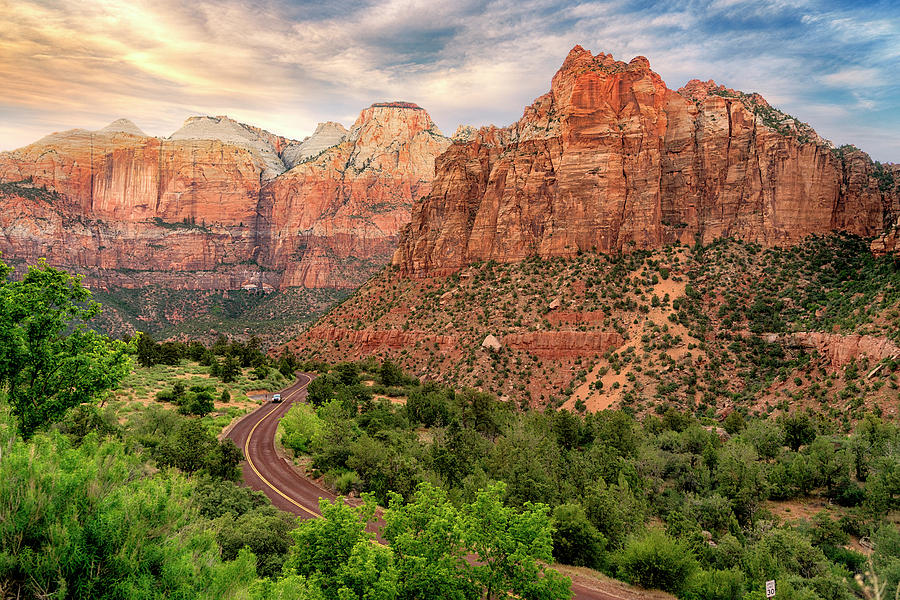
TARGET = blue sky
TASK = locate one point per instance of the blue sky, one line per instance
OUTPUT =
(287, 65)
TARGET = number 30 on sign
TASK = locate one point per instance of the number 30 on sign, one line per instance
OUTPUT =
(770, 588)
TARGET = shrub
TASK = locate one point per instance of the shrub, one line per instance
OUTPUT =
(347, 482)
(390, 374)
(716, 585)
(575, 540)
(300, 427)
(653, 560)
(264, 530)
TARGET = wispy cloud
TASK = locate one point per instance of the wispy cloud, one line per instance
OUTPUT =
(285, 65)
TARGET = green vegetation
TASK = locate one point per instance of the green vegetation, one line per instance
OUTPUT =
(97, 502)
(28, 190)
(704, 328)
(109, 493)
(720, 503)
(160, 311)
(187, 223)
(45, 372)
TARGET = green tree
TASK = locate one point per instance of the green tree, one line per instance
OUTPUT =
(300, 428)
(348, 373)
(147, 349)
(390, 373)
(336, 554)
(264, 530)
(89, 523)
(734, 422)
(575, 539)
(320, 390)
(230, 369)
(799, 430)
(49, 360)
(192, 448)
(512, 547)
(428, 546)
(742, 479)
(200, 403)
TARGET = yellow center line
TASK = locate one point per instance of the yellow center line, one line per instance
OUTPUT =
(253, 466)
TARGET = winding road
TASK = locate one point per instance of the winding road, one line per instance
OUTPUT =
(289, 490)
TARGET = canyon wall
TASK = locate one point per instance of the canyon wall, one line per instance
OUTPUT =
(612, 160)
(219, 204)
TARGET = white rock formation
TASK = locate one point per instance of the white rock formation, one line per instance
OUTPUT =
(122, 126)
(230, 131)
(325, 136)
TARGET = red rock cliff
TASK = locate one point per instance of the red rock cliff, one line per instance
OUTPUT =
(214, 206)
(612, 160)
(341, 211)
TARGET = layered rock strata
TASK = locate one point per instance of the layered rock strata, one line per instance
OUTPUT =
(219, 204)
(612, 160)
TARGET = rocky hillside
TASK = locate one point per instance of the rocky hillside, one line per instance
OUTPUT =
(624, 244)
(219, 205)
(705, 328)
(612, 160)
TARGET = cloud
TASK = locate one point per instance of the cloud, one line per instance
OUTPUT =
(854, 77)
(284, 65)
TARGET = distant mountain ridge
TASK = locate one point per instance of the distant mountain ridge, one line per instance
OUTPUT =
(198, 210)
(610, 160)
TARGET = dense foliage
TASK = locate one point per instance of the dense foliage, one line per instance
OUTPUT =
(607, 475)
(94, 504)
(49, 360)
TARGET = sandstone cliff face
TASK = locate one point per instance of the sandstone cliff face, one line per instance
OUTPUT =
(840, 350)
(612, 160)
(341, 211)
(214, 206)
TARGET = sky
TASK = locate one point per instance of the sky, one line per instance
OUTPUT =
(286, 65)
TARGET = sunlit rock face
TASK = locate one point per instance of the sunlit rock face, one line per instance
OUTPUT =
(612, 160)
(217, 203)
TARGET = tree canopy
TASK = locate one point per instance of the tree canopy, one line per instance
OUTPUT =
(49, 360)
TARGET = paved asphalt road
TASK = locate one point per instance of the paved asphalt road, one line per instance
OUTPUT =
(264, 470)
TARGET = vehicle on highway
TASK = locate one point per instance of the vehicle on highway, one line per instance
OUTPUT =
(276, 398)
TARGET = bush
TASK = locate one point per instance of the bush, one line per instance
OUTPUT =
(230, 369)
(215, 497)
(264, 530)
(300, 427)
(319, 391)
(715, 585)
(390, 374)
(734, 422)
(197, 403)
(653, 560)
(347, 482)
(575, 540)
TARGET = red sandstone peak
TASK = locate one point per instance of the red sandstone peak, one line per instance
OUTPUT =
(382, 121)
(639, 62)
(213, 206)
(611, 160)
(397, 104)
(699, 90)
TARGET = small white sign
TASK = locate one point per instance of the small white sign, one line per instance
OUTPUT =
(770, 588)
